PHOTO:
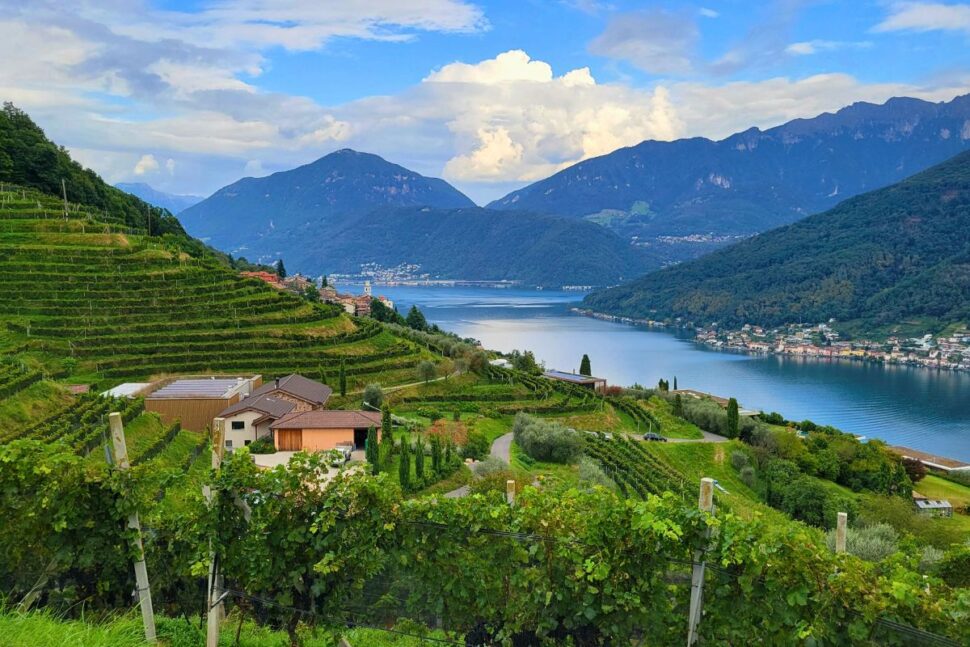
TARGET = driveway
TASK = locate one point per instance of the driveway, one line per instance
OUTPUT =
(502, 448)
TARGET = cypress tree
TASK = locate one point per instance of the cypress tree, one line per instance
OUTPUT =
(675, 383)
(373, 451)
(584, 368)
(343, 379)
(436, 454)
(419, 460)
(678, 405)
(449, 454)
(280, 269)
(386, 424)
(733, 418)
(404, 467)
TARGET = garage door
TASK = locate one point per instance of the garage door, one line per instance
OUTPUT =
(289, 440)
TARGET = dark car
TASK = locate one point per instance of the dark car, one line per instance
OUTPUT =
(655, 437)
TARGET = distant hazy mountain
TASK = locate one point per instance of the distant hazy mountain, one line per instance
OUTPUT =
(664, 192)
(242, 217)
(898, 255)
(173, 202)
(470, 243)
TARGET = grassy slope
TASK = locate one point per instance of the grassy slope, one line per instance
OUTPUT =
(39, 629)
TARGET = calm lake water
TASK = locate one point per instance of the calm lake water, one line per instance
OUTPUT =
(921, 408)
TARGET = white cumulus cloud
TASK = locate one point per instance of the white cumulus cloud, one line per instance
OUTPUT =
(145, 165)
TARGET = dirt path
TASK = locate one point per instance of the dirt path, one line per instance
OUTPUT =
(501, 449)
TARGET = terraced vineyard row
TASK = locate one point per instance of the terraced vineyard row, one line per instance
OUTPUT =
(81, 425)
(636, 471)
(14, 377)
(126, 305)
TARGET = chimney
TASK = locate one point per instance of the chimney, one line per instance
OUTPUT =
(277, 383)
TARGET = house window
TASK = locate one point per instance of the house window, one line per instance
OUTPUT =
(228, 444)
(248, 441)
(238, 424)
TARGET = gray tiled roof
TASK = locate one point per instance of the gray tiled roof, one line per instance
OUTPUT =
(298, 386)
(273, 407)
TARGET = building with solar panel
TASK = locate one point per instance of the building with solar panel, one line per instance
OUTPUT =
(196, 401)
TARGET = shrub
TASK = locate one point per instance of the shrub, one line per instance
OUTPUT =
(262, 446)
(954, 568)
(748, 476)
(739, 460)
(591, 473)
(477, 446)
(426, 371)
(871, 543)
(547, 441)
(496, 482)
(374, 395)
(489, 466)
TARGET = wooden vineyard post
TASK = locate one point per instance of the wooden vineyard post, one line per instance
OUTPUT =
(141, 571)
(706, 504)
(214, 608)
(840, 530)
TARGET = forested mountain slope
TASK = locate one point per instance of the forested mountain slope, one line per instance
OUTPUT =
(898, 253)
(332, 191)
(29, 159)
(751, 181)
(468, 243)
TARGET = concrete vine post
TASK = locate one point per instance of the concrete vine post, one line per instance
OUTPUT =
(840, 532)
(706, 504)
(141, 571)
(214, 608)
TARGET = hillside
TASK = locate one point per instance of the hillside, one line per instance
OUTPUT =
(469, 243)
(175, 203)
(751, 181)
(124, 305)
(899, 253)
(241, 218)
(29, 159)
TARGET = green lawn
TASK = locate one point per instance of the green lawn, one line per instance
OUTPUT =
(934, 487)
(36, 402)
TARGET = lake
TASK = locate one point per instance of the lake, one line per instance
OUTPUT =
(917, 407)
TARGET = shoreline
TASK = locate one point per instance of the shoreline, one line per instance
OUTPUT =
(802, 351)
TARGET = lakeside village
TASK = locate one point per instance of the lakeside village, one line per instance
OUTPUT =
(949, 351)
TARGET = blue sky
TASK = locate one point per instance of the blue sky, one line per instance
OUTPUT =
(189, 96)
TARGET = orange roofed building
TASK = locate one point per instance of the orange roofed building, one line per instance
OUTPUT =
(266, 277)
(323, 429)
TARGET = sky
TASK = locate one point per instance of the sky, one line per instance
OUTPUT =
(189, 96)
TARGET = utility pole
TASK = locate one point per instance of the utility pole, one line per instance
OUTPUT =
(706, 504)
(214, 608)
(141, 571)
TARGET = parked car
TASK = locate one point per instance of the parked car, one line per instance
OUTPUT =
(654, 437)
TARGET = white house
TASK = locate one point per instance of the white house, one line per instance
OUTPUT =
(249, 419)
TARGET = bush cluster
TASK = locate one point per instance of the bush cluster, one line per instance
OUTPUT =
(547, 441)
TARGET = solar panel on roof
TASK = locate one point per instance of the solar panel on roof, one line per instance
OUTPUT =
(215, 388)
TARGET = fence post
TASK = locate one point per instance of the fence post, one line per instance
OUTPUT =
(706, 504)
(510, 491)
(840, 531)
(141, 571)
(214, 608)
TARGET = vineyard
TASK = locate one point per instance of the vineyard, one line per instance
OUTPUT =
(88, 296)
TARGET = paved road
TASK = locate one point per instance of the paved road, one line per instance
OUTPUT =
(708, 438)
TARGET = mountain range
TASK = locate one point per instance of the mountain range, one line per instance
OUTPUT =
(350, 208)
(175, 203)
(656, 203)
(680, 199)
(900, 254)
